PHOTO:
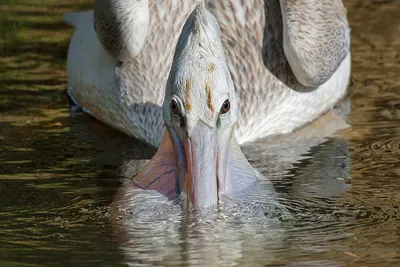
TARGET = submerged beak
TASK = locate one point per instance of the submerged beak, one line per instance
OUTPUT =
(201, 183)
(204, 169)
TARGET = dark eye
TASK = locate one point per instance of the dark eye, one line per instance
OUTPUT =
(173, 106)
(226, 106)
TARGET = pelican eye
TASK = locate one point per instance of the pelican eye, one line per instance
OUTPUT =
(173, 106)
(226, 106)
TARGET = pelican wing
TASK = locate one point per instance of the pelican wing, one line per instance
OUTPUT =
(121, 26)
(316, 38)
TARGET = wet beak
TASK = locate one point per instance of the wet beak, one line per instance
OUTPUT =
(201, 161)
(201, 183)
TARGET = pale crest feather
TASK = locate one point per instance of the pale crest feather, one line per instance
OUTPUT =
(199, 74)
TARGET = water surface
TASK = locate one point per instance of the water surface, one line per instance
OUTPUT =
(59, 168)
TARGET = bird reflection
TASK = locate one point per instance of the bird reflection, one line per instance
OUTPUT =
(308, 168)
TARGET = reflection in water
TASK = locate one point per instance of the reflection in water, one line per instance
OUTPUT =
(165, 234)
(256, 227)
(59, 170)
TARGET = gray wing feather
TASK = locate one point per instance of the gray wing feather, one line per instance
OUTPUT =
(316, 38)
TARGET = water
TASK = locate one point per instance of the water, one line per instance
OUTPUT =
(60, 169)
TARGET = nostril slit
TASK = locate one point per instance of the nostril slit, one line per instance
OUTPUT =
(182, 122)
(218, 122)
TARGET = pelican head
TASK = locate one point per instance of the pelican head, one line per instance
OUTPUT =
(199, 154)
(200, 108)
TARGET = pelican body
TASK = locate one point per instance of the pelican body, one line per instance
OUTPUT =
(289, 61)
(199, 156)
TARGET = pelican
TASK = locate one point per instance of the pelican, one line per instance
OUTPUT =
(199, 154)
(289, 61)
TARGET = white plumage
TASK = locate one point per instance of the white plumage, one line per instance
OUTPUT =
(265, 43)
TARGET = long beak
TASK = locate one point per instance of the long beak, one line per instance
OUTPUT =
(203, 165)
(201, 149)
(202, 162)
